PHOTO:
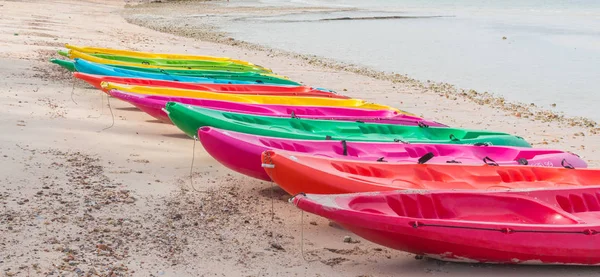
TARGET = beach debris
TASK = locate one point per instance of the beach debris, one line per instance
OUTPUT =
(334, 225)
(354, 251)
(144, 161)
(277, 246)
(334, 261)
(349, 239)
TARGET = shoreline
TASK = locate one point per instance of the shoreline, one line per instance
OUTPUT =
(212, 33)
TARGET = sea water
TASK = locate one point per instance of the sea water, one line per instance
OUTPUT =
(532, 51)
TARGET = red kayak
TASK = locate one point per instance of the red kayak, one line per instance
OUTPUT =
(553, 226)
(95, 81)
(297, 172)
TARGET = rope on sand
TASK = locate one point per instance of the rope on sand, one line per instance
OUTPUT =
(111, 114)
(73, 92)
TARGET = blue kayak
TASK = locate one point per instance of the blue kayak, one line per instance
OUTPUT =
(84, 66)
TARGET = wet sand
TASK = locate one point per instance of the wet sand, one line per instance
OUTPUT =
(83, 196)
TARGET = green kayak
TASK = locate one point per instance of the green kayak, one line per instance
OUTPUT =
(191, 118)
(68, 65)
(188, 64)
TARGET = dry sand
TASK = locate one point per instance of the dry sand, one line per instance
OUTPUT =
(81, 196)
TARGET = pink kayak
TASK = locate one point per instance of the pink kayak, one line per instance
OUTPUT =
(242, 152)
(154, 105)
(527, 226)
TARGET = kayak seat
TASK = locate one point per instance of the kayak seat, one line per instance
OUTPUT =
(519, 175)
(579, 203)
(470, 207)
(298, 124)
(285, 146)
(350, 151)
(379, 129)
(371, 205)
(419, 151)
(246, 119)
(365, 171)
(428, 174)
(304, 111)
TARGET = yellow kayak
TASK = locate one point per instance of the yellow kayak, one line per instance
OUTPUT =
(257, 99)
(73, 54)
(109, 51)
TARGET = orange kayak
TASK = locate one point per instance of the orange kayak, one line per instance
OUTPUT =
(296, 173)
(251, 89)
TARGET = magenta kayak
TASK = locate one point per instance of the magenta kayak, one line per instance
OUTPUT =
(154, 104)
(242, 152)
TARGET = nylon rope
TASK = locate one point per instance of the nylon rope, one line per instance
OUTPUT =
(111, 114)
(272, 205)
(73, 92)
(504, 230)
(192, 165)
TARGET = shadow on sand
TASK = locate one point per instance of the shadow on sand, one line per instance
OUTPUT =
(132, 109)
(157, 121)
(178, 135)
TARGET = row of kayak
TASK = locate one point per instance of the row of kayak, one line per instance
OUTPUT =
(389, 176)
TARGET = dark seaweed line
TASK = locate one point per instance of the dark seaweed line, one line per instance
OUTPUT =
(383, 17)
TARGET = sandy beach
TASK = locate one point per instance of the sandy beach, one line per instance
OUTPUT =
(90, 186)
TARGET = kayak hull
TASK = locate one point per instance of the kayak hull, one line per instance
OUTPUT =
(213, 73)
(84, 66)
(254, 99)
(190, 118)
(242, 152)
(68, 65)
(139, 54)
(96, 81)
(472, 226)
(297, 172)
(170, 63)
(155, 106)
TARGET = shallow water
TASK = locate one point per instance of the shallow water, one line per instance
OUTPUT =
(551, 53)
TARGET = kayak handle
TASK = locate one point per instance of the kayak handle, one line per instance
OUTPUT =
(487, 160)
(566, 164)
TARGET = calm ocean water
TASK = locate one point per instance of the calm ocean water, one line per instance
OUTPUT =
(551, 53)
